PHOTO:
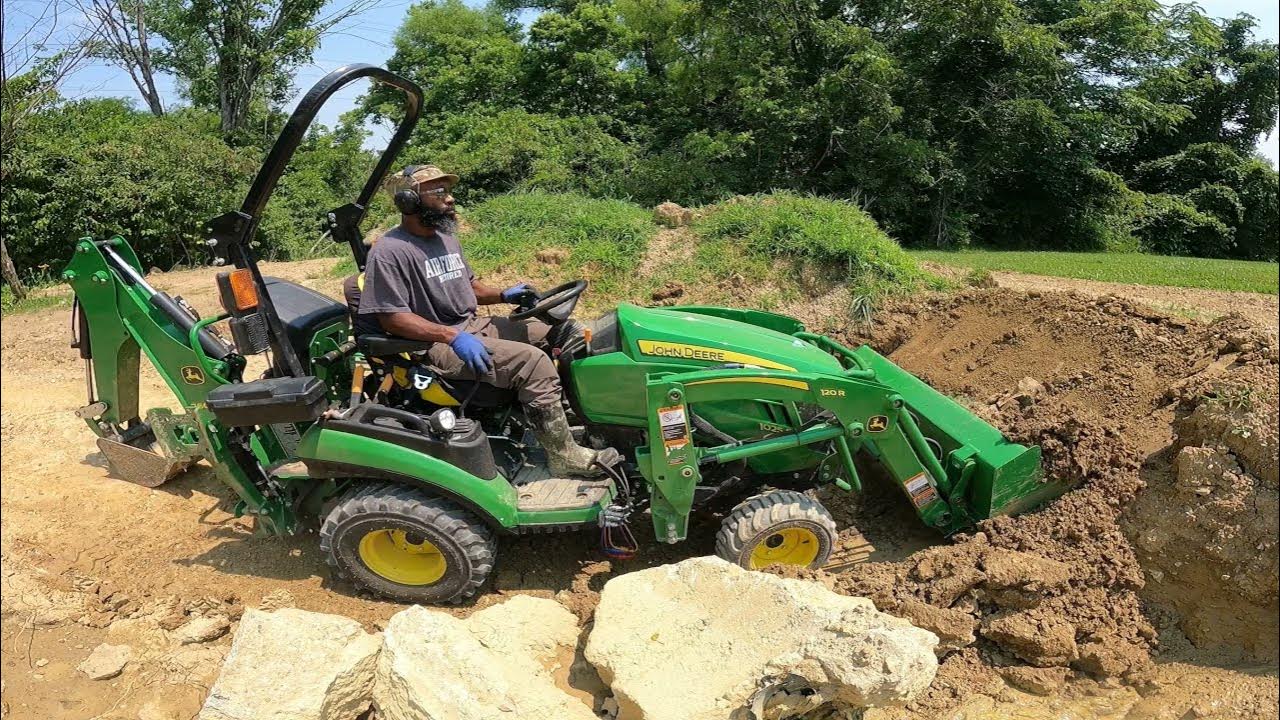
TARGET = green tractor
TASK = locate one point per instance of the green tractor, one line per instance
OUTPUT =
(413, 478)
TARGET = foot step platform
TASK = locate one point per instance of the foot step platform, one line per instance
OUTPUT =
(537, 490)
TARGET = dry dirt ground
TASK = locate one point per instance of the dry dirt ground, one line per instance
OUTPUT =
(1154, 590)
(1260, 308)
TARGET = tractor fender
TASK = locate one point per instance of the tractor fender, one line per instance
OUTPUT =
(328, 452)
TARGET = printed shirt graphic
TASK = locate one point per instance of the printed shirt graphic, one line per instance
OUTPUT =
(425, 276)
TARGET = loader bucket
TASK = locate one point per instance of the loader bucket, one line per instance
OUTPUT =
(1006, 478)
(146, 466)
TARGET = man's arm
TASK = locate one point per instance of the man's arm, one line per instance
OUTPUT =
(415, 327)
(485, 294)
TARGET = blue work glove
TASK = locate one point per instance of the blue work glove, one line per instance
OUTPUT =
(516, 293)
(472, 352)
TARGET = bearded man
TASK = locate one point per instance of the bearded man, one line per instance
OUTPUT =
(418, 285)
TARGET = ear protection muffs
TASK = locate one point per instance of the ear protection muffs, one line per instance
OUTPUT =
(408, 202)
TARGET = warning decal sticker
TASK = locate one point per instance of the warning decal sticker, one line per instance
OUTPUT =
(675, 434)
(921, 492)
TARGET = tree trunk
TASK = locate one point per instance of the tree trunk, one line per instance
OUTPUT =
(10, 272)
(144, 64)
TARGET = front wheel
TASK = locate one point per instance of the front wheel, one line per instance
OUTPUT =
(408, 546)
(782, 527)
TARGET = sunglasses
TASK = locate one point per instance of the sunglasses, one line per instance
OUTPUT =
(435, 192)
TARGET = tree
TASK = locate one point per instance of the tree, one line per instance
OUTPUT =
(238, 55)
(29, 81)
(1226, 81)
(1018, 123)
(121, 39)
(573, 64)
(464, 59)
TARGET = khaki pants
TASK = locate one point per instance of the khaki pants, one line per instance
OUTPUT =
(520, 362)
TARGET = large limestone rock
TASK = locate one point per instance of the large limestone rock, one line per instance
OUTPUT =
(495, 664)
(705, 639)
(294, 665)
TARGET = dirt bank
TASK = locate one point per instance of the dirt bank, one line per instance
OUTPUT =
(1113, 574)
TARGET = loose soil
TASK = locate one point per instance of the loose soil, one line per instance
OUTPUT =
(1149, 591)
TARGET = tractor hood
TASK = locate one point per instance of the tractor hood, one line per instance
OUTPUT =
(701, 336)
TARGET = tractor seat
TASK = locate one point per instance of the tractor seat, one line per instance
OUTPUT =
(303, 312)
(391, 349)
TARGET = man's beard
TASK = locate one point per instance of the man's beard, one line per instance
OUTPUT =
(444, 221)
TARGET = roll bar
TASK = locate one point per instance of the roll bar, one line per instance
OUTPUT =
(230, 233)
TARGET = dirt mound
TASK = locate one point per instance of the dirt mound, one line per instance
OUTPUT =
(1100, 384)
(1206, 529)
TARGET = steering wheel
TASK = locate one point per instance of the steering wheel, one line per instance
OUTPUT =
(552, 306)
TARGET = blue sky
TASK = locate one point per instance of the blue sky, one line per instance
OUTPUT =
(367, 38)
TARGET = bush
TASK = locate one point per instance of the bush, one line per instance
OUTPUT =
(830, 233)
(517, 151)
(101, 168)
(1170, 225)
(1240, 192)
(98, 168)
(605, 239)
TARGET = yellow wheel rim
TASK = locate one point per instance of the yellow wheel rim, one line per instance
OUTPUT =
(791, 546)
(396, 556)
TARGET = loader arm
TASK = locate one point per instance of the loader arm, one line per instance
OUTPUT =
(862, 413)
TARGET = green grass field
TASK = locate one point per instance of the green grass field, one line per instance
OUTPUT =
(1260, 277)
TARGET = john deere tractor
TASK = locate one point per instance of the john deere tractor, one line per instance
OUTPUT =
(412, 478)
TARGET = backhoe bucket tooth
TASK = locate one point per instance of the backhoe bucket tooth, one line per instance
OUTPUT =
(141, 465)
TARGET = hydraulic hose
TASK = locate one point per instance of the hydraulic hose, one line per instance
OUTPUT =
(212, 346)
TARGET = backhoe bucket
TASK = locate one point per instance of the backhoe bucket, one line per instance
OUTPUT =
(1005, 477)
(142, 460)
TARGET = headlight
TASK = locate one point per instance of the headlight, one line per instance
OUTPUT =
(443, 421)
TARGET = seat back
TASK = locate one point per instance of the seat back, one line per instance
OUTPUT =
(303, 312)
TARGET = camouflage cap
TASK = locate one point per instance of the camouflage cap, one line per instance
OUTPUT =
(414, 175)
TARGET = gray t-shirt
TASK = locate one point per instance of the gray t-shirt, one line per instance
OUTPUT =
(424, 276)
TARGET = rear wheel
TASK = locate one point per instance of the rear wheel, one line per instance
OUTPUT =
(782, 527)
(408, 546)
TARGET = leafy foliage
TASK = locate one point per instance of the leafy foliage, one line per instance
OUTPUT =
(828, 234)
(1010, 123)
(100, 167)
(1238, 193)
(609, 235)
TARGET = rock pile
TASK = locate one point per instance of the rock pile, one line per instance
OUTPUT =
(699, 639)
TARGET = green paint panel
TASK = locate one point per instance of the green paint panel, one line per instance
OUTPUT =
(494, 496)
(120, 322)
(720, 334)
(610, 387)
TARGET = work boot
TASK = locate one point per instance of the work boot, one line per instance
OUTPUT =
(564, 455)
